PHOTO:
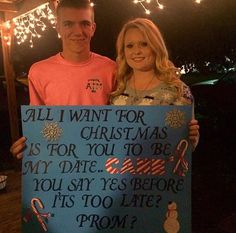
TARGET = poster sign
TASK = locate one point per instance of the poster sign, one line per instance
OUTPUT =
(106, 169)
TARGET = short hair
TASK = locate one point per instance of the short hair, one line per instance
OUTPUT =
(79, 4)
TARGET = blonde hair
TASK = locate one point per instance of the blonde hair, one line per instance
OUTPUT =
(164, 68)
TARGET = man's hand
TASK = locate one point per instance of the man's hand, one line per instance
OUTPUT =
(18, 147)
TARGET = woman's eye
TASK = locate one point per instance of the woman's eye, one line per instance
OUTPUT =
(129, 46)
(144, 44)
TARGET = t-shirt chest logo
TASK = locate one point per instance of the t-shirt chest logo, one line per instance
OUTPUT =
(94, 85)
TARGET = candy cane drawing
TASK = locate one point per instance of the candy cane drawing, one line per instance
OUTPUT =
(181, 150)
(39, 215)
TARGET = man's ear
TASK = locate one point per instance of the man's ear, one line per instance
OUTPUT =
(58, 30)
(94, 27)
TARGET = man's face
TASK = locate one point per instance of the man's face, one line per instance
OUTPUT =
(76, 28)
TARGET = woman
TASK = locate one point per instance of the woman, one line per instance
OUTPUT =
(145, 74)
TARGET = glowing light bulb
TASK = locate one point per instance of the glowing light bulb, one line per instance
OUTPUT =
(145, 4)
(30, 24)
(7, 25)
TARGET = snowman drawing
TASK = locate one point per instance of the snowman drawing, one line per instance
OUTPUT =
(171, 224)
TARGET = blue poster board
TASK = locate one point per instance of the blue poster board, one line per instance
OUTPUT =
(106, 169)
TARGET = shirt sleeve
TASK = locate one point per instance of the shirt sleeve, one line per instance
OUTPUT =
(35, 92)
(187, 94)
(186, 97)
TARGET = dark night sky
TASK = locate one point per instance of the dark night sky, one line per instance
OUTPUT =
(192, 32)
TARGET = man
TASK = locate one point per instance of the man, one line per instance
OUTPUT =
(76, 76)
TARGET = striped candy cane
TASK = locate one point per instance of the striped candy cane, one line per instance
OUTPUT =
(181, 150)
(39, 215)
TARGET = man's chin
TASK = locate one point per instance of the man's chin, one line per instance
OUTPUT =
(79, 49)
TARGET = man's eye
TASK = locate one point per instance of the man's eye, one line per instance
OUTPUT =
(67, 24)
(87, 24)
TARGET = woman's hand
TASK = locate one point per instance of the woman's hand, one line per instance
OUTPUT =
(194, 133)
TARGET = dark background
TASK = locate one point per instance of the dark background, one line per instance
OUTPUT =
(194, 33)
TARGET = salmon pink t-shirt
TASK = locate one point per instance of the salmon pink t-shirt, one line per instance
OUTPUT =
(55, 81)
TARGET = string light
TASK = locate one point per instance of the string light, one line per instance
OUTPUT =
(31, 24)
(146, 4)
(7, 39)
(198, 1)
(6, 32)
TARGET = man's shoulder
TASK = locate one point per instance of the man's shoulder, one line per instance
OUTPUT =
(104, 59)
(44, 62)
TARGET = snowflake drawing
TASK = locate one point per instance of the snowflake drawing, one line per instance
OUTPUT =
(175, 118)
(166, 96)
(51, 131)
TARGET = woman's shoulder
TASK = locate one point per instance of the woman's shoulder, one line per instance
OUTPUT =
(186, 93)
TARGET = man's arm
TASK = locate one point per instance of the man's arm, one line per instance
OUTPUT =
(35, 96)
(18, 147)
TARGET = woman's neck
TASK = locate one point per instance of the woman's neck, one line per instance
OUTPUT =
(144, 80)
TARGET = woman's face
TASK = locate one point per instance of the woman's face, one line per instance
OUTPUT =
(138, 53)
